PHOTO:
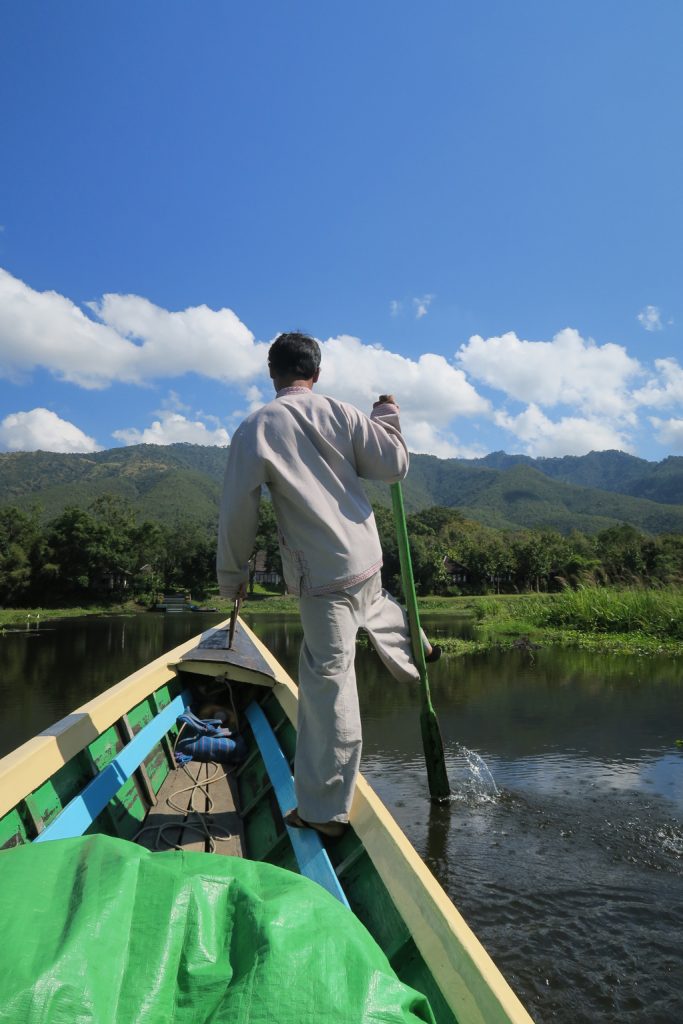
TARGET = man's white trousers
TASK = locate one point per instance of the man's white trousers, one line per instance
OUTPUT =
(329, 738)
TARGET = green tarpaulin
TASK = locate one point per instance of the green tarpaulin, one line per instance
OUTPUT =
(99, 930)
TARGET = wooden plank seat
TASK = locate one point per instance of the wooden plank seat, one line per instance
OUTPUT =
(195, 810)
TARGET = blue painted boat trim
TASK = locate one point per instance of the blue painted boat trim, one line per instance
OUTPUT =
(79, 814)
(308, 848)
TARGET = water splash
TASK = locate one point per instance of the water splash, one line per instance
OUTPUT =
(475, 783)
(671, 840)
(655, 839)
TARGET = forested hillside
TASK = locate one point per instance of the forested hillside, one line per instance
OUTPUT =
(608, 470)
(589, 493)
(160, 482)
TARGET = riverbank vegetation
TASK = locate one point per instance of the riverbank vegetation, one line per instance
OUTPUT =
(616, 588)
(33, 618)
(629, 620)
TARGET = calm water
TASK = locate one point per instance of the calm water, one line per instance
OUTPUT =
(571, 876)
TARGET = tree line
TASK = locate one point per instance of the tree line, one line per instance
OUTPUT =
(99, 553)
(452, 555)
(103, 552)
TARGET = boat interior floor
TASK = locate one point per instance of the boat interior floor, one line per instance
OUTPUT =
(195, 810)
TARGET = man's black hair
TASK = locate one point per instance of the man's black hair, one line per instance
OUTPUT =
(294, 354)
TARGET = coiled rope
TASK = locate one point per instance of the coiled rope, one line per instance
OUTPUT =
(197, 819)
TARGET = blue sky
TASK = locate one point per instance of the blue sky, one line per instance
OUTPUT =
(477, 206)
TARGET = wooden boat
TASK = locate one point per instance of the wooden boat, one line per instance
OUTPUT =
(109, 768)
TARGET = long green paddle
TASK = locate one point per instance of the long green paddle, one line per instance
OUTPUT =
(439, 789)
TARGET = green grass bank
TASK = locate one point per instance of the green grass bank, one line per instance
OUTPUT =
(600, 619)
(30, 618)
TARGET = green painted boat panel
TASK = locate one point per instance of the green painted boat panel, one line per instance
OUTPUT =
(157, 767)
(372, 903)
(105, 748)
(124, 814)
(159, 763)
(283, 857)
(252, 778)
(50, 798)
(263, 828)
(140, 715)
(163, 696)
(12, 830)
(264, 832)
(282, 727)
(287, 739)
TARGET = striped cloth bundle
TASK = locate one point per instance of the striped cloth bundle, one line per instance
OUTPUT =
(203, 739)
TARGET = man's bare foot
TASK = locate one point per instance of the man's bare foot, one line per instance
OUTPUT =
(329, 829)
(433, 654)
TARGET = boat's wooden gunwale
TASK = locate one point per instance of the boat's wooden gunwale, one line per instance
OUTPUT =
(33, 763)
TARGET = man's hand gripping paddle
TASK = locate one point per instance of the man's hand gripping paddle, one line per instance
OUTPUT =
(439, 789)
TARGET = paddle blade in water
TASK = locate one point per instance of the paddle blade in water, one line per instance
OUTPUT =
(439, 788)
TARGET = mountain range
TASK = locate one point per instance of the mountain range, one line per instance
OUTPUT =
(588, 492)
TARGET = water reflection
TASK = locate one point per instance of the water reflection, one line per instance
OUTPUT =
(45, 675)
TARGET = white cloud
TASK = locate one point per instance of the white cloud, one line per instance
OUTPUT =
(422, 437)
(213, 343)
(45, 329)
(129, 339)
(254, 396)
(429, 387)
(651, 318)
(665, 389)
(570, 435)
(567, 370)
(422, 305)
(669, 432)
(395, 307)
(174, 402)
(429, 390)
(43, 430)
(172, 428)
(132, 341)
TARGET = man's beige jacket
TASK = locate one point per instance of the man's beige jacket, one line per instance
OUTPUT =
(311, 452)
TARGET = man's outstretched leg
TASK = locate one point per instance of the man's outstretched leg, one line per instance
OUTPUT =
(387, 626)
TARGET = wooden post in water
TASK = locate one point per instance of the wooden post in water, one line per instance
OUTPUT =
(437, 777)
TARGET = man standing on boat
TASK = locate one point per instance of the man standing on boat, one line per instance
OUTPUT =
(311, 452)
